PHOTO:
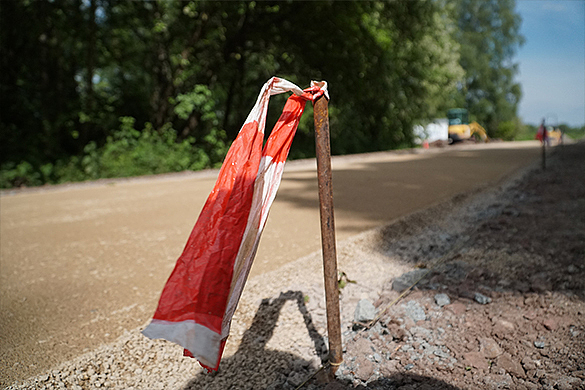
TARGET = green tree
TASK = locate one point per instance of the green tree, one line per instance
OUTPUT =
(190, 71)
(489, 35)
(38, 65)
(388, 64)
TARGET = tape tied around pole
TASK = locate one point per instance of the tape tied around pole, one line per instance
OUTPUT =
(198, 301)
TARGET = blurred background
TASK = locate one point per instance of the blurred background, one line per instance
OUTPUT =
(102, 88)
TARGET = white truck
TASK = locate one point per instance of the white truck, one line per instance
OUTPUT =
(437, 130)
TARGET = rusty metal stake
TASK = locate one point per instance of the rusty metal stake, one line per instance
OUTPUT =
(321, 117)
(544, 154)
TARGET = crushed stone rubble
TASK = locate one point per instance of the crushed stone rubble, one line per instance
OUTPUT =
(500, 305)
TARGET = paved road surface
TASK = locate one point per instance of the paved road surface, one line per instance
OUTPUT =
(80, 264)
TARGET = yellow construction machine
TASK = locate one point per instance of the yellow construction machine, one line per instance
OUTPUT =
(555, 135)
(460, 129)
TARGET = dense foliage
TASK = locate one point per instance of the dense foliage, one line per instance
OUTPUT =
(101, 88)
(489, 35)
(528, 132)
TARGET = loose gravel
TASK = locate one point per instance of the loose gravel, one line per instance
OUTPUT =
(501, 305)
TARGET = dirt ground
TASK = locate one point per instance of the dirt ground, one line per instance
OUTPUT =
(514, 315)
(81, 264)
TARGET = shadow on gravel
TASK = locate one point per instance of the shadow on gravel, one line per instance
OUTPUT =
(255, 367)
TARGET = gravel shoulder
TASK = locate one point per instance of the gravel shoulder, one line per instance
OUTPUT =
(501, 306)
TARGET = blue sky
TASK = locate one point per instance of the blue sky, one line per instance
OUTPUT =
(552, 61)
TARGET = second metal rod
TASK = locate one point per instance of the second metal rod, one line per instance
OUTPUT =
(323, 149)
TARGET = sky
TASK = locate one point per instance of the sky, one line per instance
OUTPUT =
(552, 61)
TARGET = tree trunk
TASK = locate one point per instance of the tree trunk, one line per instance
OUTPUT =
(91, 43)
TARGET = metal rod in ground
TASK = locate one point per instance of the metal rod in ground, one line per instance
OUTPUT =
(321, 116)
(544, 154)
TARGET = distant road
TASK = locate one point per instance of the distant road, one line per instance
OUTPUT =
(82, 263)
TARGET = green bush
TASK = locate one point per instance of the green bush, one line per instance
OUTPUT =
(23, 174)
(575, 133)
(507, 130)
(128, 152)
(526, 132)
(133, 153)
(68, 171)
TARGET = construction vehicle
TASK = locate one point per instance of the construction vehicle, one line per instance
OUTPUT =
(460, 129)
(554, 135)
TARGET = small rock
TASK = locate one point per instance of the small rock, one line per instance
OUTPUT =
(457, 270)
(344, 373)
(550, 324)
(539, 344)
(406, 348)
(365, 368)
(421, 333)
(457, 308)
(364, 311)
(406, 280)
(442, 300)
(299, 364)
(409, 367)
(489, 348)
(572, 269)
(413, 310)
(530, 315)
(475, 359)
(511, 366)
(389, 367)
(378, 329)
(481, 299)
(397, 332)
(502, 328)
(441, 353)
(361, 347)
(295, 378)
